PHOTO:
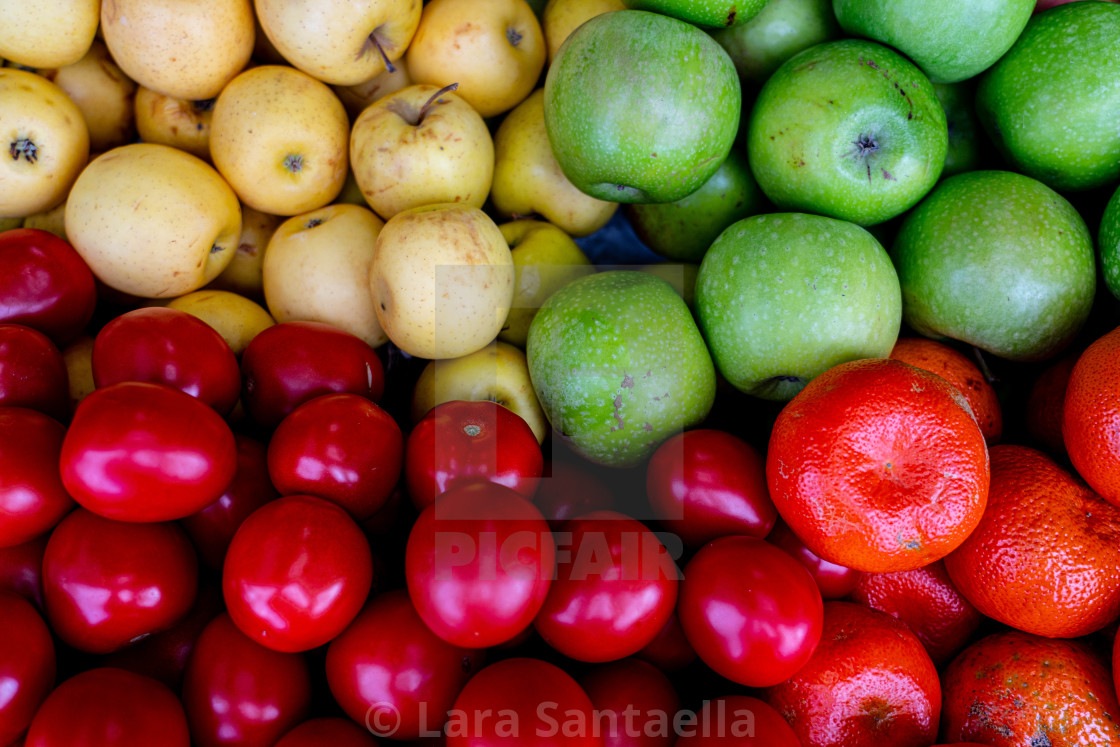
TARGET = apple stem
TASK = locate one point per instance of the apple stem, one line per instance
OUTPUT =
(434, 100)
(983, 365)
(24, 147)
(384, 57)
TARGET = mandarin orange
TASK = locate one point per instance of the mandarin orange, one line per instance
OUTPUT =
(1091, 416)
(1046, 405)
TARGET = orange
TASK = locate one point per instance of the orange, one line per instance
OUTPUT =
(1046, 403)
(1014, 689)
(1046, 556)
(878, 466)
(1091, 417)
(869, 683)
(953, 366)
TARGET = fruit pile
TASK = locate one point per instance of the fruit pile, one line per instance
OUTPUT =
(607, 373)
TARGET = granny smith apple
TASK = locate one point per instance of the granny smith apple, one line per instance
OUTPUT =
(618, 365)
(710, 13)
(950, 40)
(783, 297)
(680, 275)
(1052, 103)
(683, 230)
(1109, 239)
(966, 137)
(998, 260)
(640, 107)
(782, 29)
(848, 129)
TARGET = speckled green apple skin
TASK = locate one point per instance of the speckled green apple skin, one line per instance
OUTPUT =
(1052, 103)
(709, 13)
(966, 137)
(950, 40)
(998, 260)
(782, 29)
(619, 365)
(785, 296)
(1109, 240)
(640, 107)
(848, 129)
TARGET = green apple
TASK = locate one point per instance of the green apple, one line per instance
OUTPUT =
(783, 28)
(848, 129)
(929, 32)
(966, 136)
(783, 297)
(618, 365)
(680, 275)
(711, 13)
(998, 260)
(1052, 103)
(683, 230)
(641, 107)
(1109, 239)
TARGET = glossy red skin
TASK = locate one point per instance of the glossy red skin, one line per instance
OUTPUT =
(537, 698)
(460, 441)
(27, 664)
(615, 588)
(106, 583)
(567, 490)
(212, 528)
(928, 602)
(705, 483)
(297, 573)
(32, 499)
(292, 362)
(237, 692)
(636, 693)
(45, 284)
(869, 683)
(738, 721)
(109, 707)
(146, 452)
(341, 447)
(168, 346)
(387, 656)
(750, 610)
(21, 570)
(472, 593)
(33, 372)
(670, 651)
(834, 581)
(327, 732)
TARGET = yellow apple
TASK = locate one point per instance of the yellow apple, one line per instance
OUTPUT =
(153, 221)
(44, 142)
(561, 17)
(53, 220)
(78, 357)
(498, 373)
(494, 50)
(188, 49)
(528, 180)
(236, 318)
(243, 273)
(176, 122)
(47, 33)
(280, 137)
(441, 280)
(316, 269)
(420, 146)
(104, 95)
(343, 42)
(360, 95)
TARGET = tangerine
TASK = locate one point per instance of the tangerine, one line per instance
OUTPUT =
(1091, 416)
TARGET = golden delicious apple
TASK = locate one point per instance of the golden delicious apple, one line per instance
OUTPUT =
(441, 280)
(419, 146)
(11, 222)
(344, 42)
(53, 220)
(44, 141)
(103, 93)
(357, 97)
(48, 33)
(176, 122)
(236, 318)
(545, 259)
(78, 357)
(494, 50)
(498, 373)
(153, 221)
(561, 17)
(528, 180)
(279, 137)
(243, 273)
(316, 269)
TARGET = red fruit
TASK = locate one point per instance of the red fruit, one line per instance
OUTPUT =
(293, 362)
(870, 682)
(738, 721)
(108, 583)
(834, 581)
(670, 650)
(27, 665)
(340, 447)
(615, 588)
(460, 441)
(750, 610)
(704, 484)
(109, 708)
(146, 452)
(637, 701)
(44, 284)
(33, 372)
(237, 692)
(389, 659)
(32, 499)
(1046, 405)
(21, 570)
(168, 346)
(569, 489)
(335, 732)
(1091, 416)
